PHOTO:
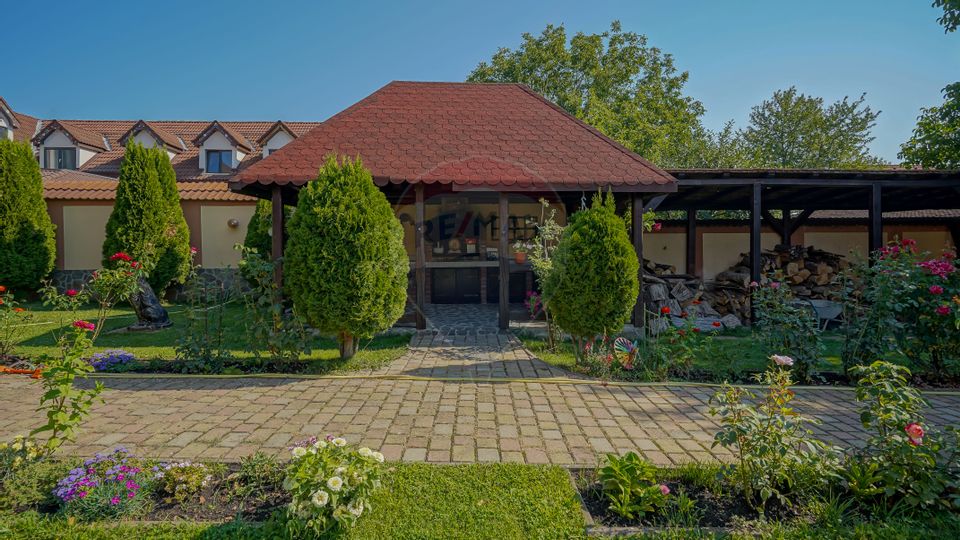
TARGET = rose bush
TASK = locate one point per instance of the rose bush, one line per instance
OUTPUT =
(330, 483)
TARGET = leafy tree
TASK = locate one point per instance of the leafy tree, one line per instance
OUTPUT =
(143, 222)
(593, 284)
(614, 81)
(723, 149)
(951, 14)
(936, 139)
(796, 130)
(345, 265)
(27, 244)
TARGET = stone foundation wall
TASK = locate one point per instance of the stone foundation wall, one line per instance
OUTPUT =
(229, 278)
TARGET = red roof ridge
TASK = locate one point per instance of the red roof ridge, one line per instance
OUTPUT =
(237, 138)
(169, 140)
(75, 132)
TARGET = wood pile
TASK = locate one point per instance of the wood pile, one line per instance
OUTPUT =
(809, 272)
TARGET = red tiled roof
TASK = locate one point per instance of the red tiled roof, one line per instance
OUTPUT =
(235, 136)
(907, 214)
(279, 125)
(467, 134)
(78, 134)
(62, 184)
(24, 126)
(171, 141)
(186, 164)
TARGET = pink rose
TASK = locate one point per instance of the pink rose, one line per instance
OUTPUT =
(936, 289)
(775, 285)
(657, 226)
(71, 292)
(915, 432)
(754, 284)
(84, 325)
(782, 360)
(664, 489)
(943, 310)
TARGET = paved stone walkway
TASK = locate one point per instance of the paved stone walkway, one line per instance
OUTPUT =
(486, 418)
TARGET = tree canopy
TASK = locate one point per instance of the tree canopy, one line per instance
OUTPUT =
(794, 130)
(614, 81)
(951, 14)
(936, 139)
(27, 243)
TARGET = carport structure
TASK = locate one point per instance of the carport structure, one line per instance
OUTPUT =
(798, 193)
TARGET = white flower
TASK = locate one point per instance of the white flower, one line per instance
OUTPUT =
(299, 452)
(320, 498)
(335, 483)
(782, 360)
(339, 441)
(355, 508)
(339, 470)
(320, 444)
(313, 450)
(365, 452)
(378, 456)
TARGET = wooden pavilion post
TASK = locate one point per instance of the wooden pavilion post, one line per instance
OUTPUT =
(875, 212)
(276, 246)
(692, 242)
(504, 262)
(420, 262)
(786, 226)
(755, 255)
(637, 225)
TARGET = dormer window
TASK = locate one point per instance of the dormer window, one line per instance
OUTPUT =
(218, 161)
(5, 133)
(60, 158)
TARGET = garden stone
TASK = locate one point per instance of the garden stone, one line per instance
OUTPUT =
(730, 321)
(150, 314)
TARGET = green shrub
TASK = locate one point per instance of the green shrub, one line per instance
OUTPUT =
(903, 460)
(257, 474)
(776, 454)
(27, 243)
(181, 481)
(13, 323)
(201, 347)
(345, 265)
(146, 221)
(261, 224)
(593, 285)
(330, 484)
(788, 326)
(629, 483)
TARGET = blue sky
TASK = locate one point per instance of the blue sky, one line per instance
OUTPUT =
(307, 60)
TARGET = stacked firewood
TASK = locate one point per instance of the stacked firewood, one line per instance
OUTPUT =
(809, 272)
(667, 292)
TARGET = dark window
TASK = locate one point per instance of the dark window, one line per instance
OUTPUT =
(218, 161)
(4, 132)
(60, 158)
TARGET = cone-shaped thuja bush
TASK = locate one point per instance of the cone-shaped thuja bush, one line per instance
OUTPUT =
(594, 284)
(345, 266)
(147, 221)
(258, 230)
(27, 243)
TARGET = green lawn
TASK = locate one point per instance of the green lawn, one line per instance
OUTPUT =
(743, 347)
(38, 338)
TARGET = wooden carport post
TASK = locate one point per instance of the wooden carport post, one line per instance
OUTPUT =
(692, 242)
(755, 255)
(420, 262)
(637, 224)
(876, 219)
(276, 240)
(504, 262)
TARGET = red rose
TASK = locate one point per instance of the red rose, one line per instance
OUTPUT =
(696, 330)
(121, 256)
(665, 310)
(71, 292)
(716, 324)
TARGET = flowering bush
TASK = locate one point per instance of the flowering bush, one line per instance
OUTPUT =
(630, 486)
(181, 481)
(534, 304)
(201, 347)
(16, 454)
(12, 321)
(65, 405)
(330, 483)
(788, 326)
(910, 462)
(105, 486)
(777, 455)
(115, 283)
(111, 360)
(910, 297)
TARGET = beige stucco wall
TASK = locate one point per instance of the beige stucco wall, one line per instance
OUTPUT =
(838, 242)
(932, 241)
(666, 248)
(84, 229)
(722, 250)
(217, 238)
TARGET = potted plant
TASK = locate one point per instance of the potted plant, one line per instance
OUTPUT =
(520, 250)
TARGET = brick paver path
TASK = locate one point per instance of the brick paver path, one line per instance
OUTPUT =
(489, 418)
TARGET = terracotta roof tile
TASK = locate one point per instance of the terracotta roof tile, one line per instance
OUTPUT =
(78, 134)
(171, 141)
(79, 185)
(467, 134)
(234, 135)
